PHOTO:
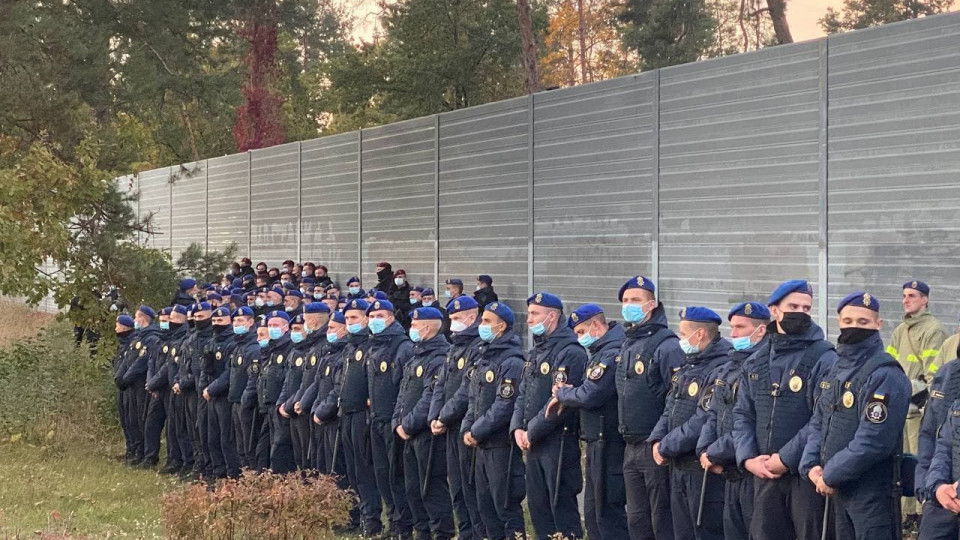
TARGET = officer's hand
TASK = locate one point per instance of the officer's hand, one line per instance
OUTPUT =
(705, 461)
(402, 433)
(775, 466)
(947, 497)
(206, 395)
(758, 467)
(469, 440)
(824, 489)
(657, 457)
(520, 436)
(316, 419)
(176, 388)
(815, 474)
(556, 387)
(437, 427)
(715, 469)
(283, 412)
(297, 409)
(553, 407)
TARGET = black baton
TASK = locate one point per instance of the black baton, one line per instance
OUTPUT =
(826, 513)
(426, 476)
(556, 484)
(703, 493)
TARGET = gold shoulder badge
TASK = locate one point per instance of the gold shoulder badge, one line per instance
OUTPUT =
(219, 355)
(313, 360)
(137, 345)
(173, 351)
(143, 351)
(796, 383)
(326, 372)
(848, 399)
(239, 360)
(279, 358)
(461, 362)
(299, 361)
(166, 349)
(489, 376)
(383, 367)
(596, 372)
(638, 367)
(545, 368)
(359, 355)
(419, 371)
(693, 388)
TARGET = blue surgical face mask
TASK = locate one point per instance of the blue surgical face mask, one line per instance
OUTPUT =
(415, 335)
(539, 329)
(296, 337)
(354, 290)
(258, 302)
(304, 274)
(414, 300)
(486, 333)
(164, 325)
(446, 293)
(377, 325)
(306, 328)
(354, 328)
(457, 326)
(332, 338)
(398, 281)
(275, 333)
(271, 303)
(289, 308)
(240, 330)
(632, 313)
(263, 343)
(586, 340)
(743, 343)
(318, 296)
(137, 325)
(688, 348)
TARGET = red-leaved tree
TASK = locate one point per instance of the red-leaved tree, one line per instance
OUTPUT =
(259, 121)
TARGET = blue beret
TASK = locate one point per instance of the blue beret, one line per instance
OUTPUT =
(237, 298)
(636, 282)
(358, 304)
(546, 299)
(860, 299)
(203, 306)
(277, 314)
(337, 316)
(378, 305)
(228, 277)
(462, 303)
(295, 292)
(237, 282)
(243, 311)
(247, 278)
(287, 285)
(125, 320)
(180, 309)
(209, 287)
(418, 289)
(262, 323)
(583, 313)
(166, 311)
(427, 292)
(788, 287)
(699, 314)
(148, 311)
(455, 281)
(483, 278)
(501, 310)
(213, 296)
(308, 281)
(316, 307)
(222, 311)
(426, 313)
(751, 310)
(353, 279)
(297, 319)
(378, 295)
(918, 286)
(187, 283)
(235, 290)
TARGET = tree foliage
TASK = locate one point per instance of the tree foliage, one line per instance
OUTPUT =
(667, 32)
(858, 14)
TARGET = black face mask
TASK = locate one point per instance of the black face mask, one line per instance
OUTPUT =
(795, 323)
(124, 334)
(219, 328)
(853, 335)
(191, 323)
(203, 323)
(174, 326)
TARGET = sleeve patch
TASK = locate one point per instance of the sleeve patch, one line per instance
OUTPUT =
(506, 389)
(876, 412)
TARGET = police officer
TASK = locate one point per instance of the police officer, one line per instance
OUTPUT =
(941, 478)
(553, 462)
(773, 408)
(292, 301)
(748, 328)
(486, 425)
(315, 318)
(273, 369)
(186, 293)
(604, 500)
(125, 355)
(448, 407)
(354, 292)
(323, 411)
(915, 343)
(424, 456)
(852, 454)
(246, 350)
(221, 439)
(146, 343)
(158, 384)
(485, 294)
(178, 418)
(937, 522)
(190, 354)
(649, 356)
(675, 436)
(388, 352)
(453, 289)
(399, 296)
(297, 362)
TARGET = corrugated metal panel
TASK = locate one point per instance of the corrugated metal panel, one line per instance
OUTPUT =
(229, 199)
(484, 225)
(593, 169)
(189, 206)
(398, 200)
(738, 176)
(894, 161)
(154, 202)
(274, 188)
(331, 222)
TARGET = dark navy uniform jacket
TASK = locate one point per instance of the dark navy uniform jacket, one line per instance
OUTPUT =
(450, 397)
(716, 439)
(216, 365)
(944, 390)
(126, 354)
(878, 410)
(303, 359)
(349, 394)
(420, 377)
(247, 351)
(158, 367)
(643, 377)
(945, 463)
(387, 354)
(275, 361)
(493, 391)
(596, 398)
(146, 342)
(321, 396)
(555, 358)
(783, 373)
(313, 355)
(688, 401)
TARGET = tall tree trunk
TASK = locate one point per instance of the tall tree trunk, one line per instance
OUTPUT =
(529, 46)
(778, 15)
(582, 37)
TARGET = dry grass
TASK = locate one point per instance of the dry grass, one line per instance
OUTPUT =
(18, 321)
